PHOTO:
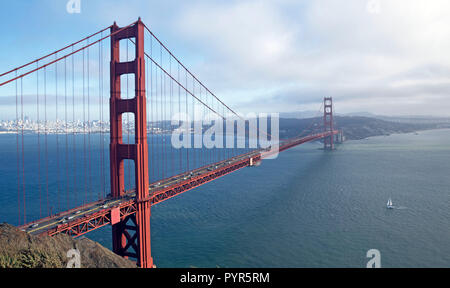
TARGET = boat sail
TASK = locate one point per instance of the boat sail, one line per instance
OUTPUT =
(389, 204)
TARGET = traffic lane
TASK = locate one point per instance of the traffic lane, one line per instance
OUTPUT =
(37, 227)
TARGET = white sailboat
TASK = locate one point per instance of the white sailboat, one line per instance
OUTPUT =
(389, 204)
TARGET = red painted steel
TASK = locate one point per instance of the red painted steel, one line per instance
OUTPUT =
(328, 142)
(115, 216)
(93, 221)
(137, 244)
(129, 211)
(128, 206)
(60, 58)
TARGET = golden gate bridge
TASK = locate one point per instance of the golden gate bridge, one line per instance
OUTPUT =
(64, 91)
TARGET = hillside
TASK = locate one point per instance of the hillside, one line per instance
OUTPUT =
(354, 127)
(20, 250)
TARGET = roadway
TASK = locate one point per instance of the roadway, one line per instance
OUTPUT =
(157, 189)
(52, 222)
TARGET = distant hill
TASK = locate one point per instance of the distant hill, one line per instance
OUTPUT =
(404, 118)
(299, 115)
(356, 127)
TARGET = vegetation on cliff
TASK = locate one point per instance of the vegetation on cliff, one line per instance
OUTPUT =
(21, 250)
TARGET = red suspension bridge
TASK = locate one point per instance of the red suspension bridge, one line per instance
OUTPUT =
(59, 118)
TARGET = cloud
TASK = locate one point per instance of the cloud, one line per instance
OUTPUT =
(280, 56)
(287, 54)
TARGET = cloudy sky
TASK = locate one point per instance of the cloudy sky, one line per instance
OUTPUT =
(388, 57)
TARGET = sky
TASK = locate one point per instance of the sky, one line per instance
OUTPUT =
(387, 57)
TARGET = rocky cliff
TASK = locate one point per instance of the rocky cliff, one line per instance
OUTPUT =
(21, 250)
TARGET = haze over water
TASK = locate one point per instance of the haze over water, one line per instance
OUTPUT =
(311, 208)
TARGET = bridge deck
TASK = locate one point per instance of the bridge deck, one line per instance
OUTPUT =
(80, 220)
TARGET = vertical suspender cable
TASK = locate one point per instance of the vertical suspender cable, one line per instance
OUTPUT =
(224, 135)
(99, 194)
(89, 124)
(193, 122)
(157, 150)
(180, 122)
(163, 82)
(38, 140)
(147, 106)
(102, 123)
(18, 155)
(188, 125)
(161, 158)
(46, 140)
(200, 110)
(75, 192)
(84, 139)
(23, 154)
(57, 135)
(179, 119)
(163, 90)
(170, 120)
(152, 104)
(66, 133)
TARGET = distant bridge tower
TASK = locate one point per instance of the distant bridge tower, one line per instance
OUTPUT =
(328, 143)
(130, 234)
(340, 136)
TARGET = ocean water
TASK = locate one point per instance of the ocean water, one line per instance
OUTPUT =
(309, 208)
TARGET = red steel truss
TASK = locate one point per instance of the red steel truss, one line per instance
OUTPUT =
(128, 208)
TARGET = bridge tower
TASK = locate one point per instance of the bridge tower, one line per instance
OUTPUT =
(328, 143)
(130, 235)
